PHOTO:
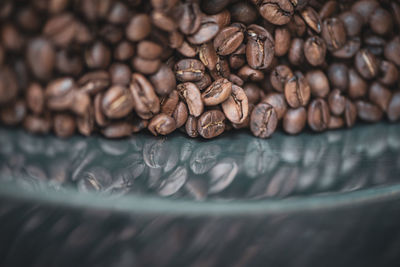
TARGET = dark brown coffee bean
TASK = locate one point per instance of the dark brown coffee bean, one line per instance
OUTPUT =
(165, 5)
(41, 58)
(117, 102)
(357, 86)
(208, 55)
(120, 74)
(8, 85)
(14, 113)
(146, 66)
(94, 10)
(253, 92)
(81, 103)
(318, 116)
(243, 12)
(278, 12)
(175, 39)
(221, 69)
(379, 95)
(393, 111)
(229, 39)
(99, 117)
(389, 74)
(149, 50)
(366, 64)
(192, 96)
(189, 18)
(381, 21)
(295, 120)
(233, 78)
(138, 28)
(98, 56)
(204, 82)
(297, 91)
(349, 49)
(338, 75)
(146, 102)
(282, 41)
(328, 9)
(94, 82)
(60, 94)
(36, 124)
(279, 76)
(163, 80)
(368, 112)
(69, 63)
(124, 51)
(312, 19)
(392, 51)
(83, 35)
(318, 82)
(297, 26)
(236, 107)
(365, 8)
(222, 18)
(180, 114)
(119, 13)
(334, 33)
(335, 123)
(350, 113)
(337, 102)
(117, 130)
(162, 124)
(191, 127)
(163, 21)
(296, 52)
(60, 29)
(217, 92)
(64, 125)
(375, 44)
(278, 102)
(187, 50)
(35, 98)
(260, 47)
(263, 121)
(214, 6)
(238, 58)
(352, 22)
(315, 50)
(211, 124)
(209, 28)
(188, 70)
(168, 103)
(249, 74)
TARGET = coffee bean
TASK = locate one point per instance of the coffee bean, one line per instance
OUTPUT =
(388, 73)
(352, 22)
(117, 102)
(278, 12)
(8, 85)
(81, 104)
(101, 120)
(86, 122)
(365, 8)
(60, 29)
(189, 20)
(297, 26)
(204, 82)
(392, 51)
(64, 125)
(318, 116)
(35, 98)
(229, 39)
(249, 74)
(222, 18)
(163, 21)
(296, 52)
(41, 58)
(334, 33)
(119, 13)
(238, 58)
(350, 113)
(278, 102)
(328, 9)
(379, 95)
(368, 112)
(335, 123)
(318, 82)
(208, 55)
(243, 12)
(279, 76)
(124, 51)
(163, 80)
(168, 103)
(138, 28)
(214, 6)
(120, 74)
(312, 19)
(217, 92)
(187, 50)
(366, 64)
(221, 69)
(375, 44)
(192, 97)
(282, 41)
(146, 66)
(263, 121)
(175, 39)
(117, 130)
(295, 120)
(315, 50)
(149, 50)
(211, 124)
(337, 102)
(11, 38)
(94, 82)
(233, 78)
(28, 19)
(338, 74)
(162, 124)
(349, 49)
(180, 114)
(59, 94)
(69, 63)
(297, 91)
(381, 21)
(188, 70)
(98, 56)
(191, 126)
(260, 47)
(236, 107)
(145, 99)
(253, 92)
(357, 86)
(209, 28)
(393, 111)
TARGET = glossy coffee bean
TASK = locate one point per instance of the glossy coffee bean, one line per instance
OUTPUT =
(238, 58)
(145, 100)
(328, 9)
(162, 124)
(297, 26)
(168, 103)
(379, 95)
(214, 6)
(221, 70)
(366, 64)
(393, 111)
(94, 82)
(192, 97)
(189, 18)
(117, 102)
(85, 123)
(318, 115)
(124, 51)
(180, 114)
(188, 70)
(338, 75)
(358, 87)
(81, 104)
(233, 78)
(334, 33)
(41, 58)
(208, 55)
(279, 76)
(312, 19)
(149, 50)
(146, 66)
(163, 80)
(99, 116)
(64, 125)
(217, 92)
(278, 102)
(350, 113)
(349, 49)
(297, 91)
(60, 29)
(211, 124)
(335, 123)
(263, 121)
(318, 82)
(295, 120)
(260, 47)
(315, 50)
(59, 94)
(368, 112)
(278, 12)
(163, 21)
(236, 107)
(282, 41)
(209, 28)
(191, 127)
(229, 39)
(337, 102)
(69, 63)
(35, 98)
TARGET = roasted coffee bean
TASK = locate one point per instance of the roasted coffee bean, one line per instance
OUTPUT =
(279, 76)
(28, 19)
(98, 56)
(13, 114)
(163, 80)
(335, 123)
(312, 19)
(139, 124)
(214, 6)
(295, 120)
(149, 50)
(318, 82)
(349, 49)
(334, 33)
(41, 58)
(60, 29)
(11, 38)
(260, 47)
(297, 26)
(146, 66)
(175, 39)
(162, 124)
(229, 39)
(278, 12)
(315, 50)
(217, 92)
(187, 50)
(221, 69)
(236, 107)
(375, 44)
(138, 28)
(189, 20)
(192, 97)
(35, 98)
(145, 100)
(111, 33)
(263, 121)
(368, 112)
(117, 102)
(83, 35)
(81, 104)
(180, 114)
(253, 92)
(393, 111)
(338, 75)
(366, 64)
(120, 74)
(379, 95)
(100, 119)
(233, 78)
(211, 124)
(208, 55)
(352, 22)
(389, 74)
(328, 9)
(189, 70)
(117, 130)
(297, 91)
(296, 52)
(365, 8)
(318, 115)
(69, 63)
(238, 58)
(94, 82)
(209, 28)
(243, 12)
(163, 21)
(36, 124)
(278, 102)
(249, 74)
(204, 82)
(337, 102)
(381, 21)
(124, 51)
(222, 18)
(282, 41)
(191, 126)
(392, 51)
(59, 94)
(357, 86)
(168, 103)
(350, 113)
(64, 125)
(8, 85)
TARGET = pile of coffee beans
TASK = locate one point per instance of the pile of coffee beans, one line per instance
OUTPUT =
(205, 67)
